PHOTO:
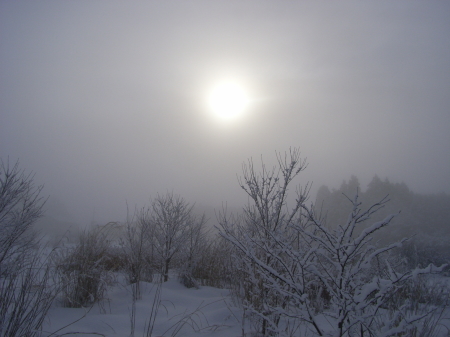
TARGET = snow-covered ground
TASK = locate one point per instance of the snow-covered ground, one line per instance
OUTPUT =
(205, 311)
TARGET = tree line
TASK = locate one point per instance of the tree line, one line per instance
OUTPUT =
(423, 218)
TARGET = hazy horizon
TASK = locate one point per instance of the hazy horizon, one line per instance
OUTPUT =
(106, 101)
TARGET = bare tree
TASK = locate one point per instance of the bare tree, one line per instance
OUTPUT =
(137, 247)
(25, 290)
(20, 207)
(171, 220)
(190, 254)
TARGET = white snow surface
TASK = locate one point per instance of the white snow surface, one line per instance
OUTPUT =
(206, 311)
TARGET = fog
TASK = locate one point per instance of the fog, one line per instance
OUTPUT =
(106, 101)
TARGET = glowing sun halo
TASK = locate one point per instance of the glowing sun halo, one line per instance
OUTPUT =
(228, 100)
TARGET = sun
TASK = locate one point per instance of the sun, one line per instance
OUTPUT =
(228, 100)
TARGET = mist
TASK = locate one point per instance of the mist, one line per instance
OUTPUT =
(105, 101)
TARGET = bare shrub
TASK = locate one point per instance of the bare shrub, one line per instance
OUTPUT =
(20, 207)
(25, 291)
(214, 266)
(422, 250)
(82, 269)
(26, 294)
(191, 252)
(137, 250)
(422, 290)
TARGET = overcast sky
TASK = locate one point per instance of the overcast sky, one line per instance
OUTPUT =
(105, 101)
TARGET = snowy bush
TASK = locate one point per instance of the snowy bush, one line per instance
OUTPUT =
(258, 255)
(298, 270)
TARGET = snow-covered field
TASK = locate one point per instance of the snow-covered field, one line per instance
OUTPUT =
(205, 311)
